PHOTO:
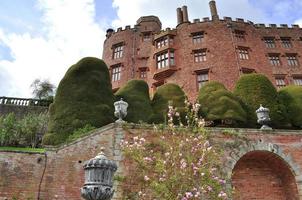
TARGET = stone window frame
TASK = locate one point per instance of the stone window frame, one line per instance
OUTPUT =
(243, 53)
(116, 72)
(274, 59)
(297, 80)
(143, 72)
(202, 77)
(165, 59)
(200, 55)
(240, 35)
(280, 81)
(118, 50)
(164, 41)
(292, 59)
(147, 36)
(286, 42)
(269, 42)
(198, 37)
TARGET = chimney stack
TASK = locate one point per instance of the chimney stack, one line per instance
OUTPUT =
(182, 15)
(213, 9)
(185, 14)
(179, 16)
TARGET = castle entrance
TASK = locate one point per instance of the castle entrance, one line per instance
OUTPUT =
(263, 175)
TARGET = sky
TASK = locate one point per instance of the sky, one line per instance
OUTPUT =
(43, 38)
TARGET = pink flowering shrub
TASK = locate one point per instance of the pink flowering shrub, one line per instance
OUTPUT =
(177, 163)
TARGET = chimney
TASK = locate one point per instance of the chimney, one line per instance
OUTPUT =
(109, 32)
(179, 16)
(213, 9)
(185, 14)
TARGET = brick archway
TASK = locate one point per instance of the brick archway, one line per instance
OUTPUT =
(261, 170)
(263, 175)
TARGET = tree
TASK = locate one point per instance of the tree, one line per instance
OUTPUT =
(42, 89)
(84, 96)
(256, 89)
(165, 95)
(220, 105)
(136, 94)
(292, 98)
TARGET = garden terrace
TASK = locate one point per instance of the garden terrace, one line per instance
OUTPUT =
(64, 175)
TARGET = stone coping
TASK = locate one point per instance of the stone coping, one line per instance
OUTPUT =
(215, 130)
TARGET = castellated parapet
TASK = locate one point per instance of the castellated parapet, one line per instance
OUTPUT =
(201, 50)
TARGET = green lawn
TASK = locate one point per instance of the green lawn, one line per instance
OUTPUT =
(23, 149)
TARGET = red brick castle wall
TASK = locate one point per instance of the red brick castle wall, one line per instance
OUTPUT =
(222, 40)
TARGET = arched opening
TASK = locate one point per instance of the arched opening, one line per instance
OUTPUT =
(263, 175)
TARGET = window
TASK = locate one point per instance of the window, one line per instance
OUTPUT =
(143, 73)
(274, 59)
(292, 59)
(116, 73)
(243, 53)
(246, 70)
(269, 42)
(239, 35)
(197, 37)
(280, 82)
(298, 81)
(286, 43)
(165, 59)
(164, 41)
(202, 79)
(200, 55)
(118, 51)
(146, 37)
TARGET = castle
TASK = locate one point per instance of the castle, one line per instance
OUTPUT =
(198, 51)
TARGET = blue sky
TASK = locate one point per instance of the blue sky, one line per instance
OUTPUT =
(42, 38)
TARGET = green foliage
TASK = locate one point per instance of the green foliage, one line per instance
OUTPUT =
(84, 96)
(219, 104)
(23, 149)
(136, 94)
(9, 130)
(80, 133)
(167, 94)
(292, 98)
(256, 89)
(22, 132)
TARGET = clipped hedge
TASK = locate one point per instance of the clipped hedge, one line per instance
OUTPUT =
(84, 96)
(136, 94)
(256, 89)
(219, 104)
(292, 98)
(165, 94)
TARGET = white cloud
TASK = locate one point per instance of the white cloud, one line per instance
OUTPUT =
(70, 34)
(128, 11)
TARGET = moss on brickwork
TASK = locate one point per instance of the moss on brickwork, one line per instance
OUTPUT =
(219, 104)
(84, 96)
(256, 89)
(165, 94)
(292, 98)
(136, 94)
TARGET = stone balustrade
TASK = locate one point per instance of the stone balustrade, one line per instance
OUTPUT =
(24, 102)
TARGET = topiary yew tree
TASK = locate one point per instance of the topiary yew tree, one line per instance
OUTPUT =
(292, 98)
(219, 104)
(256, 89)
(136, 94)
(84, 96)
(165, 94)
